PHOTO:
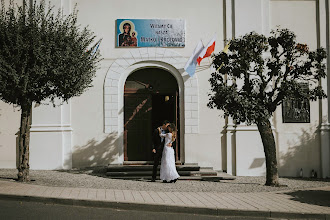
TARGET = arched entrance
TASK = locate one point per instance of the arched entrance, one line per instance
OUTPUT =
(141, 58)
(150, 97)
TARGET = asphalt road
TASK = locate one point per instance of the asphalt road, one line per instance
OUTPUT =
(34, 210)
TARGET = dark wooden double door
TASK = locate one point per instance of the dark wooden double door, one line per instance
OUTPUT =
(150, 98)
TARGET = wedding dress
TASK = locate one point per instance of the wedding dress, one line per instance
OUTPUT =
(167, 168)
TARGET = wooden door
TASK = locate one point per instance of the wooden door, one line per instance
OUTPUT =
(137, 127)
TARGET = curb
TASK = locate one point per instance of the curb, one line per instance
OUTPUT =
(164, 208)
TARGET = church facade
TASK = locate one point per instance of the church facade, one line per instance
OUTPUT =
(141, 81)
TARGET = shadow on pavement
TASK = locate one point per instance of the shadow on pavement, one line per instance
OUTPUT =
(13, 179)
(8, 178)
(313, 197)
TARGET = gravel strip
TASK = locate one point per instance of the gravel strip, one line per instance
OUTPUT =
(84, 179)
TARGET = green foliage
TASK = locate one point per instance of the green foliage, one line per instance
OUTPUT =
(259, 73)
(43, 55)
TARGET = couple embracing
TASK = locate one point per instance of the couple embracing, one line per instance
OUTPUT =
(162, 140)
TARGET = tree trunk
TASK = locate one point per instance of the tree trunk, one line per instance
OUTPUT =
(268, 142)
(24, 143)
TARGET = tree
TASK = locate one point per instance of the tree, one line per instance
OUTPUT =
(257, 75)
(43, 56)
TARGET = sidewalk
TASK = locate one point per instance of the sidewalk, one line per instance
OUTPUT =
(312, 203)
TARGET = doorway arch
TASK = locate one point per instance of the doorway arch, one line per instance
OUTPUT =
(151, 95)
(141, 58)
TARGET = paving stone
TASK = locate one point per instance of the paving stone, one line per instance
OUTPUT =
(74, 193)
(244, 203)
(137, 196)
(167, 199)
(57, 192)
(219, 202)
(100, 194)
(91, 194)
(40, 191)
(128, 196)
(119, 195)
(184, 198)
(48, 192)
(255, 201)
(146, 197)
(208, 201)
(65, 193)
(195, 200)
(30, 190)
(157, 199)
(83, 194)
(110, 195)
(176, 200)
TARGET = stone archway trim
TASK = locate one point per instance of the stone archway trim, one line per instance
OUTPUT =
(134, 56)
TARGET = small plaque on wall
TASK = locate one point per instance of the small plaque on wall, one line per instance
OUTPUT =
(150, 33)
(296, 111)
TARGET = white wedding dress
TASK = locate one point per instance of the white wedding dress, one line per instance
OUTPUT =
(167, 168)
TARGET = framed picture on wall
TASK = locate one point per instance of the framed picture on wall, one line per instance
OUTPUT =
(296, 111)
(150, 33)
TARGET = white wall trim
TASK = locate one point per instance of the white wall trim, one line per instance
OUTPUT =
(50, 128)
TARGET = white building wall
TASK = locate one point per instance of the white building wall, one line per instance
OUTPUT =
(205, 147)
(10, 119)
(91, 146)
(245, 154)
(298, 143)
(101, 18)
(74, 134)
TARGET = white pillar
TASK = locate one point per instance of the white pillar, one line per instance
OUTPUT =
(323, 41)
(229, 33)
(231, 147)
(51, 137)
(51, 132)
(252, 15)
(245, 155)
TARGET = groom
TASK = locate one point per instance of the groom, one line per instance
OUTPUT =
(157, 147)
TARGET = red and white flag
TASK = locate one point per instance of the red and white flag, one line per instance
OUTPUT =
(208, 50)
(190, 66)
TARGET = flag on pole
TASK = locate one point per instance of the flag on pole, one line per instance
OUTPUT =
(96, 47)
(190, 66)
(225, 50)
(207, 51)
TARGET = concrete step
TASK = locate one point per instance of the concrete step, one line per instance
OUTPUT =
(143, 171)
(149, 173)
(185, 178)
(126, 168)
(152, 162)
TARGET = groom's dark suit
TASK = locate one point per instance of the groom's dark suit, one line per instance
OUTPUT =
(158, 145)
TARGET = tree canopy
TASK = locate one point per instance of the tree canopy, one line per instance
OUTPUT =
(259, 73)
(43, 55)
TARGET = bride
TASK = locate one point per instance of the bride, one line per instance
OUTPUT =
(168, 171)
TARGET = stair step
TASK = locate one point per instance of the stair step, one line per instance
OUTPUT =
(150, 163)
(142, 170)
(137, 163)
(125, 168)
(149, 173)
(196, 178)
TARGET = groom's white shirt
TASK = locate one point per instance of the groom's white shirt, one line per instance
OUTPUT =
(163, 132)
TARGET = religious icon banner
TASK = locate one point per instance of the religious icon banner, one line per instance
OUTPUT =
(150, 33)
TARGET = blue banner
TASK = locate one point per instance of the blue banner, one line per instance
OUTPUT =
(150, 33)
